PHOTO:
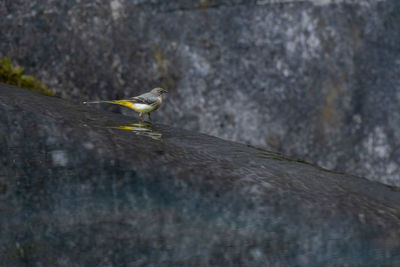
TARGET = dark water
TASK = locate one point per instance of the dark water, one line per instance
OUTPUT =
(80, 187)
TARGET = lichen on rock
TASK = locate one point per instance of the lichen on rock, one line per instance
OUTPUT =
(13, 75)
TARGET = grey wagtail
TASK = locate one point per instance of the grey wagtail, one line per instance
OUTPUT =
(144, 103)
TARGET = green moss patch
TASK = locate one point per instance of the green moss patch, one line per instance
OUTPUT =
(13, 75)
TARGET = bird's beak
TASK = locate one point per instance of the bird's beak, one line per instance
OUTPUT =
(165, 91)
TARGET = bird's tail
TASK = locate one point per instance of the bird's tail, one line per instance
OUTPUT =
(100, 101)
(125, 103)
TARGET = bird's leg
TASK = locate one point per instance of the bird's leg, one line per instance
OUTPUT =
(140, 115)
(148, 114)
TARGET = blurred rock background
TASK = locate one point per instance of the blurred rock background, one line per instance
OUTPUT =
(317, 80)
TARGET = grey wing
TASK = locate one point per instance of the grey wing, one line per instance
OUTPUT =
(146, 98)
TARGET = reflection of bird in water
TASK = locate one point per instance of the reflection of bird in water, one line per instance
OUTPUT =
(141, 128)
(144, 103)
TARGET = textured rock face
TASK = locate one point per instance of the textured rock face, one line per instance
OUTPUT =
(314, 79)
(81, 187)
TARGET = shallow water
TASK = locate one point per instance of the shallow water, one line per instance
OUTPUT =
(143, 128)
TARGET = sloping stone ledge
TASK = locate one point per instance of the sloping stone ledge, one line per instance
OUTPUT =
(82, 187)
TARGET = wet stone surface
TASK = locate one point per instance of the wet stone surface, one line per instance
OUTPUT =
(83, 187)
(314, 79)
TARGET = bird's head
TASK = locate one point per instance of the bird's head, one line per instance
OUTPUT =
(159, 91)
